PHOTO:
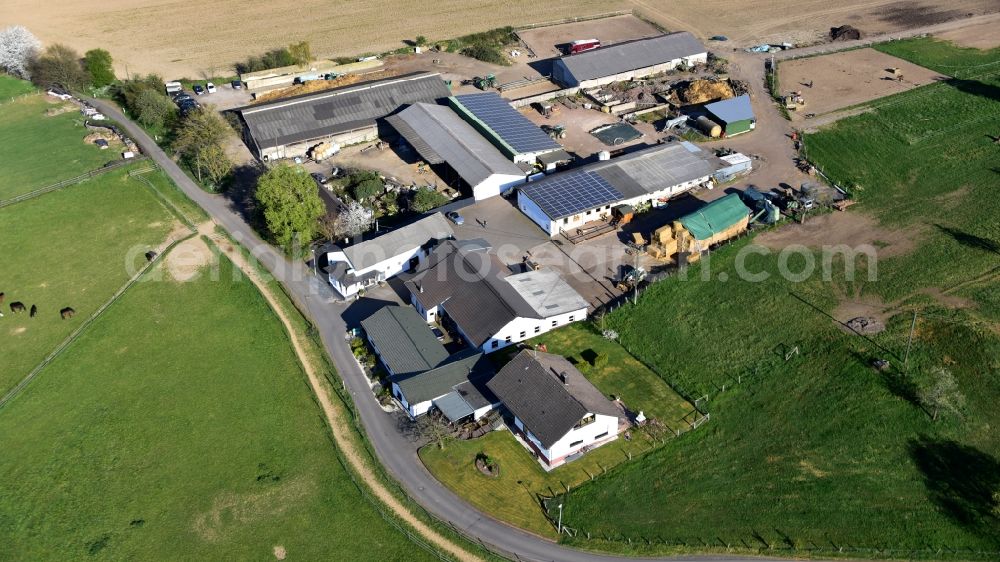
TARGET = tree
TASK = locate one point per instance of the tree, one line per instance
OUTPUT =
(300, 52)
(97, 62)
(328, 227)
(367, 189)
(291, 204)
(18, 47)
(941, 393)
(354, 219)
(201, 128)
(59, 66)
(152, 108)
(425, 199)
(213, 162)
(421, 41)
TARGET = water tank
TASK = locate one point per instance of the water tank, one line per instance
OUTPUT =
(708, 127)
(604, 155)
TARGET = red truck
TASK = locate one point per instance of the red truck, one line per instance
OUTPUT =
(582, 45)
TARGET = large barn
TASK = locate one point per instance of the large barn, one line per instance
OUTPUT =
(565, 201)
(513, 134)
(288, 128)
(629, 60)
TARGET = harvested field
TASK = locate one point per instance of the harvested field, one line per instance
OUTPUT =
(546, 41)
(984, 35)
(849, 78)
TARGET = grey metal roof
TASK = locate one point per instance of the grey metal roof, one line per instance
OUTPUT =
(732, 110)
(554, 157)
(313, 116)
(631, 55)
(453, 406)
(440, 135)
(469, 283)
(547, 292)
(506, 122)
(461, 367)
(405, 343)
(602, 183)
(404, 239)
(531, 386)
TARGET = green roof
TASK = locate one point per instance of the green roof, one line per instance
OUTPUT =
(404, 341)
(715, 217)
(458, 368)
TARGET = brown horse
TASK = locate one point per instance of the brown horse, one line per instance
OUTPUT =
(67, 313)
(17, 307)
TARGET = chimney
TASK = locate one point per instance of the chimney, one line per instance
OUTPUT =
(564, 378)
(420, 287)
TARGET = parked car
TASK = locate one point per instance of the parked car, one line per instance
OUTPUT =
(236, 84)
(181, 98)
(198, 90)
(455, 218)
(437, 333)
(210, 87)
(320, 178)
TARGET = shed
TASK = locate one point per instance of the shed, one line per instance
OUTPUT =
(717, 218)
(629, 60)
(735, 115)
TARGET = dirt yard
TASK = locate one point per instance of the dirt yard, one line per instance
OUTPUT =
(984, 35)
(848, 78)
(847, 228)
(545, 41)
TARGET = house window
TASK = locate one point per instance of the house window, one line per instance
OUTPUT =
(587, 420)
(566, 220)
(507, 339)
(571, 317)
(495, 344)
(576, 444)
(590, 211)
(538, 329)
(522, 335)
(555, 323)
(602, 436)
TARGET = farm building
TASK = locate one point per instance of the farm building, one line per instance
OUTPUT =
(566, 201)
(288, 128)
(466, 287)
(457, 387)
(697, 232)
(735, 115)
(274, 78)
(442, 138)
(511, 133)
(366, 263)
(556, 409)
(737, 164)
(404, 343)
(629, 60)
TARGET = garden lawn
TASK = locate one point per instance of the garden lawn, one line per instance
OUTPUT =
(179, 427)
(11, 88)
(37, 150)
(817, 449)
(70, 248)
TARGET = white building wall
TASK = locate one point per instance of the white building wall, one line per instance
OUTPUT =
(521, 329)
(604, 426)
(639, 72)
(495, 185)
(533, 212)
(272, 153)
(386, 268)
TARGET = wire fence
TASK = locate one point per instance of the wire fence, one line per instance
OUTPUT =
(71, 181)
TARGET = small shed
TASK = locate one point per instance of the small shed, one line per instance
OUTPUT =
(736, 164)
(735, 115)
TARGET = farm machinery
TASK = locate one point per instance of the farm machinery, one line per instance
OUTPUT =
(555, 131)
(793, 101)
(484, 82)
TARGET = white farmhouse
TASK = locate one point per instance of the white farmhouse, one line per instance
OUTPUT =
(556, 410)
(366, 263)
(466, 286)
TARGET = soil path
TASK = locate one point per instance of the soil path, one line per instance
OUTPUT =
(334, 415)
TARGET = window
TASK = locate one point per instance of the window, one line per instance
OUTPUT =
(538, 329)
(571, 317)
(522, 335)
(555, 323)
(566, 220)
(576, 444)
(590, 211)
(587, 420)
(602, 436)
(507, 339)
(495, 344)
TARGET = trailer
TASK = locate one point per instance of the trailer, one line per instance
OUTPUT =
(583, 45)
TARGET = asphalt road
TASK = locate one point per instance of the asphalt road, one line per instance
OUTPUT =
(396, 452)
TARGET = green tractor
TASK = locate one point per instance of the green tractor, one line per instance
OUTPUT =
(486, 82)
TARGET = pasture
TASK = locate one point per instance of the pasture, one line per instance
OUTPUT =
(74, 247)
(158, 435)
(38, 149)
(11, 88)
(815, 451)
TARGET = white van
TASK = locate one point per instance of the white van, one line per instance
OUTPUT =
(210, 88)
(173, 87)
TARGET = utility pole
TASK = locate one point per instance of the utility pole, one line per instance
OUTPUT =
(559, 525)
(909, 342)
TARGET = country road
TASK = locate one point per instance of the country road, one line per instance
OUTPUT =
(396, 452)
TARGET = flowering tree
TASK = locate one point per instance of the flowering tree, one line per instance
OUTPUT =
(17, 48)
(355, 219)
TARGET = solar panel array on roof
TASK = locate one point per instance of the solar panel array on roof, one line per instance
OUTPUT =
(568, 193)
(508, 124)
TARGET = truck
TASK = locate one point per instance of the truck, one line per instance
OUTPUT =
(583, 45)
(173, 87)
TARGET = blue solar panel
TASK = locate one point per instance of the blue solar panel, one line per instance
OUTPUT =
(566, 194)
(515, 129)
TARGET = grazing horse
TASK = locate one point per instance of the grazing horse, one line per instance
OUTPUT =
(67, 313)
(150, 255)
(33, 311)
(2, 295)
(17, 307)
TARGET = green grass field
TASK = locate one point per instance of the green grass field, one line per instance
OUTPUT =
(822, 451)
(11, 88)
(38, 150)
(74, 247)
(514, 496)
(179, 426)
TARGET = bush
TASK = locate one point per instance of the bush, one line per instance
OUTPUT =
(485, 53)
(486, 46)
(153, 109)
(59, 66)
(367, 189)
(97, 62)
(425, 199)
